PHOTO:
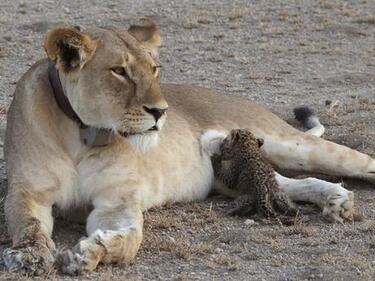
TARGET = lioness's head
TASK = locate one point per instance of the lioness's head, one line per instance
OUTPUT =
(111, 76)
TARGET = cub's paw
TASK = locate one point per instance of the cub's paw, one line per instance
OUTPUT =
(243, 211)
(31, 260)
(339, 206)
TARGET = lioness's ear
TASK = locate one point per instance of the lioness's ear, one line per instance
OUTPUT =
(69, 48)
(148, 33)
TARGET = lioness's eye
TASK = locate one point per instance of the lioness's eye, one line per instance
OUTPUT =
(155, 69)
(120, 71)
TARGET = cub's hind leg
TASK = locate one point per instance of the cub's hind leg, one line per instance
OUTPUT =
(246, 206)
(283, 204)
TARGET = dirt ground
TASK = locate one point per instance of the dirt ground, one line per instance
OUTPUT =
(278, 53)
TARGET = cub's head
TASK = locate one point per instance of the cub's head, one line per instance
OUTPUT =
(111, 76)
(237, 141)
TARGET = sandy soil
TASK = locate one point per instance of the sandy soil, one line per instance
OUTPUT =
(283, 54)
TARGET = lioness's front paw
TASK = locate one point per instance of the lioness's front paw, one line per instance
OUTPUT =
(73, 263)
(32, 260)
(339, 206)
(83, 259)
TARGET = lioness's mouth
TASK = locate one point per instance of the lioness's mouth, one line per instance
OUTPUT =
(128, 134)
(154, 128)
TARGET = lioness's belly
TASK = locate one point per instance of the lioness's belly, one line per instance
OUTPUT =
(180, 174)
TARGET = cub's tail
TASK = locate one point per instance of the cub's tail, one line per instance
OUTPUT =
(310, 120)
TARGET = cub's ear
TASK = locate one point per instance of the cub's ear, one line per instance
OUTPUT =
(260, 142)
(234, 136)
(69, 48)
(148, 33)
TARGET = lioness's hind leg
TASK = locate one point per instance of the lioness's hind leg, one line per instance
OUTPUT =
(302, 152)
(336, 202)
(30, 223)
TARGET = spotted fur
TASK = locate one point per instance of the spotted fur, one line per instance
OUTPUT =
(241, 167)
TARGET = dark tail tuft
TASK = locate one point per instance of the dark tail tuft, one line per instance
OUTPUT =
(305, 114)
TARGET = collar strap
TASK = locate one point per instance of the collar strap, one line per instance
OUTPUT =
(60, 97)
(89, 135)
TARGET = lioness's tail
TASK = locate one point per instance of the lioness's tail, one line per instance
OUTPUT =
(310, 120)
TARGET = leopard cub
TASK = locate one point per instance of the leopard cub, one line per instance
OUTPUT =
(241, 167)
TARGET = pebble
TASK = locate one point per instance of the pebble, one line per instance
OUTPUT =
(249, 222)
(218, 250)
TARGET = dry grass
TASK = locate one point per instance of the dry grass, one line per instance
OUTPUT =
(13, 277)
(156, 243)
(299, 229)
(371, 242)
(204, 20)
(178, 216)
(358, 262)
(183, 278)
(235, 14)
(191, 23)
(325, 4)
(230, 262)
(365, 20)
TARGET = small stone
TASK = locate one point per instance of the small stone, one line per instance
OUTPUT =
(111, 5)
(218, 250)
(204, 20)
(249, 222)
(66, 10)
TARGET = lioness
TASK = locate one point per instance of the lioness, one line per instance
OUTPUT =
(150, 154)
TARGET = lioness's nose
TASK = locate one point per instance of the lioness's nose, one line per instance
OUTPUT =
(156, 112)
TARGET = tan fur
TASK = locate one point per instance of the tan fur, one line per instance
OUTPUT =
(68, 36)
(148, 33)
(47, 164)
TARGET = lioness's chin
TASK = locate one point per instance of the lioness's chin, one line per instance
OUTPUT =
(145, 141)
